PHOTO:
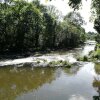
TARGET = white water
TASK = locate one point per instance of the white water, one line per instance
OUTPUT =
(45, 59)
(90, 45)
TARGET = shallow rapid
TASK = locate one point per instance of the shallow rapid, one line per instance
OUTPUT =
(43, 60)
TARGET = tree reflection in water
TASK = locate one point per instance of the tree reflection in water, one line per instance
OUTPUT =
(96, 82)
(96, 85)
(14, 82)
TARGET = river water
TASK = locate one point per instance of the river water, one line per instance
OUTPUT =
(80, 82)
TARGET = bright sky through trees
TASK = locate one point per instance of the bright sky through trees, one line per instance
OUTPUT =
(62, 5)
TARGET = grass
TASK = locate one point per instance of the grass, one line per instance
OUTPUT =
(60, 63)
(84, 58)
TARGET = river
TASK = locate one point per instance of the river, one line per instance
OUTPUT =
(80, 82)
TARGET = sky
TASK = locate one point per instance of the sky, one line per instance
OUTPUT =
(62, 5)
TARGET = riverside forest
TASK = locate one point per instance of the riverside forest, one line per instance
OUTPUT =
(49, 49)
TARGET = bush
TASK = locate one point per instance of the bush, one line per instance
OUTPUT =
(90, 52)
(60, 63)
(84, 58)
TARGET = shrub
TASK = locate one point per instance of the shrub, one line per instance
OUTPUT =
(85, 58)
(60, 63)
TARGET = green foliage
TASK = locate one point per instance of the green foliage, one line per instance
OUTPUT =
(91, 36)
(60, 63)
(97, 24)
(96, 54)
(97, 38)
(75, 18)
(84, 58)
(73, 33)
(93, 55)
(96, 9)
(67, 64)
(32, 26)
(75, 3)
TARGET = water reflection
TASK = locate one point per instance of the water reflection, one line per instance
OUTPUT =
(97, 68)
(76, 83)
(96, 82)
(14, 82)
(96, 85)
(71, 71)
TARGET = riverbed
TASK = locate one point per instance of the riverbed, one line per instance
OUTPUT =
(80, 82)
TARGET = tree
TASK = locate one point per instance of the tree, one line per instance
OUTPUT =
(75, 18)
(97, 24)
(32, 26)
(49, 34)
(75, 4)
(56, 14)
(96, 8)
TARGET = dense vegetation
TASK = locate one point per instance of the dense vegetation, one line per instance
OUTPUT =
(93, 55)
(32, 26)
(95, 9)
(91, 36)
